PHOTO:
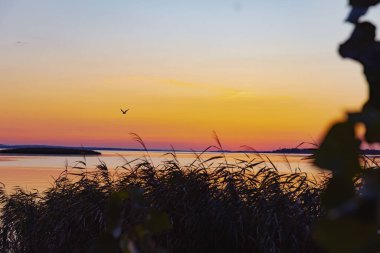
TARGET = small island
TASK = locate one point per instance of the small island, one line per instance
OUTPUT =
(49, 151)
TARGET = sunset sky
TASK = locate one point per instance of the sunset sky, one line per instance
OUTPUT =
(260, 73)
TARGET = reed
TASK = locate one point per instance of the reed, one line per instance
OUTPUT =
(210, 205)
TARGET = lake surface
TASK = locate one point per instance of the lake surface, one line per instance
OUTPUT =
(38, 172)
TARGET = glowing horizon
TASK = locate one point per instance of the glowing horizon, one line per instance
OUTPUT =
(261, 74)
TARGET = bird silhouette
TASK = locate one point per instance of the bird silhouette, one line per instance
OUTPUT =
(124, 111)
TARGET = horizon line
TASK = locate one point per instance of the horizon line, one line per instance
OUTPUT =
(208, 149)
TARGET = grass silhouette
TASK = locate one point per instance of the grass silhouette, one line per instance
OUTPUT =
(209, 205)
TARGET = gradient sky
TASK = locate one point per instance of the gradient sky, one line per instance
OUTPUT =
(260, 73)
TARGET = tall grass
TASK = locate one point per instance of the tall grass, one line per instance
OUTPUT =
(213, 205)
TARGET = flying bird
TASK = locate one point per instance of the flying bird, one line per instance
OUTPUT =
(124, 111)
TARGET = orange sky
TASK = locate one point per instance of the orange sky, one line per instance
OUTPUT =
(64, 79)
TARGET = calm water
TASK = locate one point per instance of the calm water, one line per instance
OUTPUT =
(38, 172)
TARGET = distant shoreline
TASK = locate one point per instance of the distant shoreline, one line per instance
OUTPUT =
(48, 151)
(306, 151)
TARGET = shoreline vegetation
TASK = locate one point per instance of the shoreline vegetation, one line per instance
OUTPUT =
(49, 151)
(210, 205)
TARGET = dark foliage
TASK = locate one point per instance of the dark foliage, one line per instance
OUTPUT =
(352, 197)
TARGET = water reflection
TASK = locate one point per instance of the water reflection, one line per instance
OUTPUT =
(38, 172)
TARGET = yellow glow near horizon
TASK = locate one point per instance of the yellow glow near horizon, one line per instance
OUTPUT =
(164, 112)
